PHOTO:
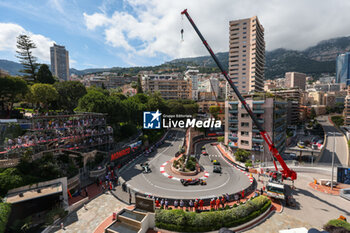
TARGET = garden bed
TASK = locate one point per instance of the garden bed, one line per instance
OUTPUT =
(183, 221)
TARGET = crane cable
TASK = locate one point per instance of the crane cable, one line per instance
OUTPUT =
(182, 28)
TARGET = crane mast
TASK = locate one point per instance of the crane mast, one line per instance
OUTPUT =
(286, 172)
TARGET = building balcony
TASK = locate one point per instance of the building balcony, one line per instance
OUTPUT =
(233, 144)
(233, 110)
(258, 110)
(259, 101)
(257, 140)
(231, 137)
(233, 102)
(261, 120)
(232, 120)
(232, 128)
(255, 130)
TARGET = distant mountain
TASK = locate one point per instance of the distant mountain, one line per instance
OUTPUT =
(12, 67)
(313, 61)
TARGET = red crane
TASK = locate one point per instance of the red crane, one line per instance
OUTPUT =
(286, 172)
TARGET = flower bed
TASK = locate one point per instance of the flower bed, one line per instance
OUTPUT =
(183, 221)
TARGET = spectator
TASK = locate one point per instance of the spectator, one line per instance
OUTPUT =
(217, 203)
(201, 204)
(182, 204)
(176, 204)
(157, 203)
(212, 203)
(191, 205)
(166, 204)
(196, 205)
(162, 203)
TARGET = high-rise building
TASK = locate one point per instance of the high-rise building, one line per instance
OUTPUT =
(295, 79)
(343, 68)
(59, 62)
(246, 55)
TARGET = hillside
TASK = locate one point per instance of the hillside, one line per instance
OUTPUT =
(313, 60)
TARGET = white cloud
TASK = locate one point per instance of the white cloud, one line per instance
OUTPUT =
(8, 40)
(155, 24)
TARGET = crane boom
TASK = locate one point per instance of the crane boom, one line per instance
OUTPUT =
(286, 172)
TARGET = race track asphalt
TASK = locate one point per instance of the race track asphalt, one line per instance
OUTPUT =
(156, 184)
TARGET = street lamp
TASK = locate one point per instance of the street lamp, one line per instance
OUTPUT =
(333, 160)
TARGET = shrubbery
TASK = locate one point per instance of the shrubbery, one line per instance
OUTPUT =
(337, 225)
(5, 210)
(182, 221)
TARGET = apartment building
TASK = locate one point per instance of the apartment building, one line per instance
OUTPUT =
(192, 73)
(170, 86)
(295, 80)
(246, 55)
(346, 112)
(240, 132)
(59, 62)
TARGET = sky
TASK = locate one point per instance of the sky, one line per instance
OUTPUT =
(125, 33)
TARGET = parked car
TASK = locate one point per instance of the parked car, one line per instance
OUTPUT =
(204, 153)
(203, 148)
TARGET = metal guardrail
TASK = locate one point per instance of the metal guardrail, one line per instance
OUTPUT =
(73, 182)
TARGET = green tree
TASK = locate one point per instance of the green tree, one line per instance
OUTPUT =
(94, 101)
(24, 52)
(43, 94)
(221, 139)
(156, 102)
(12, 89)
(242, 155)
(44, 75)
(139, 86)
(5, 210)
(69, 94)
(214, 110)
(312, 113)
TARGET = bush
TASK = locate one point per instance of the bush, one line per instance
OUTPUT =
(337, 225)
(249, 163)
(337, 120)
(179, 220)
(191, 165)
(5, 210)
(242, 155)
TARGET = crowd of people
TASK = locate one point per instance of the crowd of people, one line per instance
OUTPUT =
(75, 132)
(71, 121)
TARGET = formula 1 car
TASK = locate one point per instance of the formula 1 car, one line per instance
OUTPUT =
(217, 169)
(196, 181)
(145, 167)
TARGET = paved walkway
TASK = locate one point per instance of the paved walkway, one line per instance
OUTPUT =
(87, 220)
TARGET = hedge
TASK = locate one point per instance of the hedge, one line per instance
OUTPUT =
(183, 221)
(336, 224)
(5, 210)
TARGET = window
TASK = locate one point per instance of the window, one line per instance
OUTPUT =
(243, 78)
(245, 124)
(245, 23)
(243, 87)
(244, 115)
(244, 133)
(244, 142)
(244, 32)
(244, 55)
(244, 37)
(244, 59)
(243, 68)
(243, 82)
(244, 28)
